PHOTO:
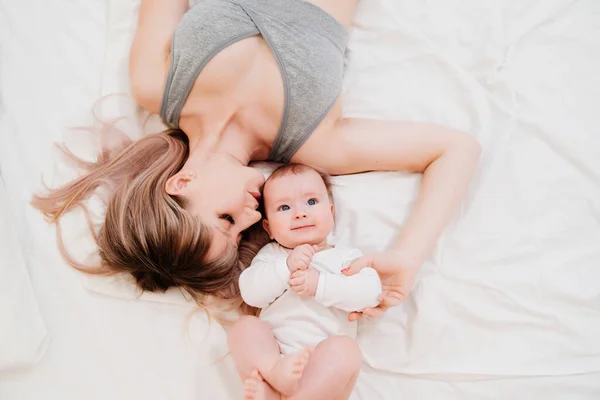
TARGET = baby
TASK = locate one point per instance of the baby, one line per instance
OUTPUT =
(303, 342)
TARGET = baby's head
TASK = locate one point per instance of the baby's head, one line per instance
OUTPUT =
(298, 206)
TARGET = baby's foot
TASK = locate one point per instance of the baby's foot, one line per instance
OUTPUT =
(285, 375)
(254, 387)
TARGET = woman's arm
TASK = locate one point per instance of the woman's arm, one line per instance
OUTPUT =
(148, 58)
(446, 157)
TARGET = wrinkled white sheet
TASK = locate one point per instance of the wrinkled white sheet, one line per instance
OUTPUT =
(509, 304)
(21, 322)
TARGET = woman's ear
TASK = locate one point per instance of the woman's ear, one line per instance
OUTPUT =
(332, 209)
(267, 228)
(177, 183)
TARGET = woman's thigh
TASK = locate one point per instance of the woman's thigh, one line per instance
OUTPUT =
(342, 10)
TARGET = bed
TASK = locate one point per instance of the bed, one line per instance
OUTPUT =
(508, 305)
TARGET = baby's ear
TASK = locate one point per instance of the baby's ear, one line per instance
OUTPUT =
(267, 228)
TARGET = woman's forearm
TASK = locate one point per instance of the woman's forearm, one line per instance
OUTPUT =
(444, 185)
(447, 157)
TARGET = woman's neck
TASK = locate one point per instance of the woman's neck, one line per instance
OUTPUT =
(242, 146)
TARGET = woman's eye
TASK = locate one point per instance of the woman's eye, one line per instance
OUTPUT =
(228, 218)
(312, 202)
(284, 207)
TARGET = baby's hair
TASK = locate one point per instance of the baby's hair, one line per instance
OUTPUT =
(297, 169)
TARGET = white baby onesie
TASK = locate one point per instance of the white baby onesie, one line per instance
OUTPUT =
(297, 321)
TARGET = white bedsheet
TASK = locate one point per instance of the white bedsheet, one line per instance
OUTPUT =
(509, 304)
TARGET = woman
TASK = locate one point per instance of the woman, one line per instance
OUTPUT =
(239, 81)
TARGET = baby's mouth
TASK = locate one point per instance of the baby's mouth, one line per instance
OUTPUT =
(302, 227)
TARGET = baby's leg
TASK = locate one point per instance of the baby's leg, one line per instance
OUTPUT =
(255, 388)
(331, 371)
(254, 348)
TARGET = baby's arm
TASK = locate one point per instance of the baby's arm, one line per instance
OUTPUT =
(349, 293)
(265, 279)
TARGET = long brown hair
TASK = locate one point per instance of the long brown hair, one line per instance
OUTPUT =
(147, 232)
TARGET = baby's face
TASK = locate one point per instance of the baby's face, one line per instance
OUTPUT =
(298, 209)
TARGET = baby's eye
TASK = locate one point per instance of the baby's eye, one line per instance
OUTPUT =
(312, 202)
(284, 207)
(228, 218)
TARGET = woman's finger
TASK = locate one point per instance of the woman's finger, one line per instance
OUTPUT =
(374, 312)
(358, 264)
(392, 298)
(355, 316)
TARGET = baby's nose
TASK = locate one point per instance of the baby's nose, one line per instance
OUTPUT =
(300, 215)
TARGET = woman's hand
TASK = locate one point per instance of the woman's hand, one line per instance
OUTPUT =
(397, 271)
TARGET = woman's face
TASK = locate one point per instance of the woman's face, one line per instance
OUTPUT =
(224, 193)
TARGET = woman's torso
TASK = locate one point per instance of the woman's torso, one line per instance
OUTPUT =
(239, 89)
(243, 89)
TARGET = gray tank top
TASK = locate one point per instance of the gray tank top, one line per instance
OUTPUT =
(307, 43)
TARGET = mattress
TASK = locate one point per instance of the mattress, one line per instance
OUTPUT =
(508, 305)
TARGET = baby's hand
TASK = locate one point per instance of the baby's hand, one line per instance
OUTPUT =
(304, 282)
(301, 257)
